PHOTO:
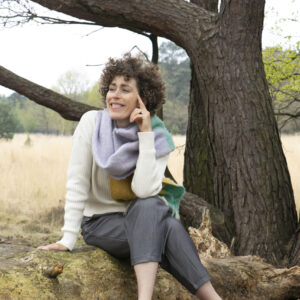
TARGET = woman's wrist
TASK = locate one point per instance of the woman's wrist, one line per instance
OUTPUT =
(146, 129)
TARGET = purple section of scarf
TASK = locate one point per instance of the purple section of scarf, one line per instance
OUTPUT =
(116, 150)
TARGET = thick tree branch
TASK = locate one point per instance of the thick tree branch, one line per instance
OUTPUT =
(67, 108)
(211, 5)
(173, 19)
(23, 13)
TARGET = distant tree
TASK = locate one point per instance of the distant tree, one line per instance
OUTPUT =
(94, 97)
(176, 116)
(28, 116)
(283, 75)
(175, 65)
(17, 100)
(282, 69)
(73, 85)
(175, 68)
(8, 121)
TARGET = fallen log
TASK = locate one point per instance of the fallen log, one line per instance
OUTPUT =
(90, 273)
(242, 277)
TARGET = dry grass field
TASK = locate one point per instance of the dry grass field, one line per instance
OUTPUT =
(291, 148)
(33, 177)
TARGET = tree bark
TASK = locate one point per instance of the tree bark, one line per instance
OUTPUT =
(242, 168)
(240, 165)
(211, 5)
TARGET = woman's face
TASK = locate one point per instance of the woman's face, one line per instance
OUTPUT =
(121, 100)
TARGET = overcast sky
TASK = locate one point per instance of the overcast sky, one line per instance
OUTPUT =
(41, 53)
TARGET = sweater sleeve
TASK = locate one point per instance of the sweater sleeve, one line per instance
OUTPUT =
(149, 172)
(78, 180)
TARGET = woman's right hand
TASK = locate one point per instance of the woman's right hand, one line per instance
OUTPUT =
(55, 246)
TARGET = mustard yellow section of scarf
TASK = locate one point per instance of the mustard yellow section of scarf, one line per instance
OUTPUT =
(120, 190)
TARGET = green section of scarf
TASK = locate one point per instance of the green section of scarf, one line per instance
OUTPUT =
(173, 193)
(157, 123)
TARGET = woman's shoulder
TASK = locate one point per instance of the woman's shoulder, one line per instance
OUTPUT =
(89, 116)
(87, 123)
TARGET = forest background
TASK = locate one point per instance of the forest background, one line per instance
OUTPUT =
(282, 66)
(18, 114)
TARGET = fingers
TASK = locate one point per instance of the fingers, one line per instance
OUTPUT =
(139, 114)
(141, 103)
(55, 246)
(48, 247)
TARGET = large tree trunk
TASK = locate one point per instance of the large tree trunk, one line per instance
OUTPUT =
(236, 161)
(243, 168)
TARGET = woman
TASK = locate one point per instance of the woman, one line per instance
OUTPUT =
(115, 186)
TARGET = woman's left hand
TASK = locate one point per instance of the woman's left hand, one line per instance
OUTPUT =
(55, 246)
(141, 116)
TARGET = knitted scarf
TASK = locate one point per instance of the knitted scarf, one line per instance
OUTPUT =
(116, 150)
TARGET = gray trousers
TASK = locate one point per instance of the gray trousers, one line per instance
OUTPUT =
(148, 233)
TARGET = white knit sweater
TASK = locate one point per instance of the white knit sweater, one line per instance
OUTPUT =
(88, 185)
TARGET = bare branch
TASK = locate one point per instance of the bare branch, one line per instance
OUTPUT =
(101, 28)
(14, 13)
(293, 97)
(144, 54)
(297, 115)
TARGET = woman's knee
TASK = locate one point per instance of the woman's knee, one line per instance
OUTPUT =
(174, 225)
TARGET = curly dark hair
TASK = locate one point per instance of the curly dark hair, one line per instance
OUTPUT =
(150, 85)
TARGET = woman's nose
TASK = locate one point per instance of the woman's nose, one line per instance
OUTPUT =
(116, 93)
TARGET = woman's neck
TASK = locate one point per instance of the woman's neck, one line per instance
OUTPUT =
(122, 123)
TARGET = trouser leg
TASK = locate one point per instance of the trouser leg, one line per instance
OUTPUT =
(139, 234)
(154, 235)
(149, 233)
(107, 231)
(145, 229)
(180, 257)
